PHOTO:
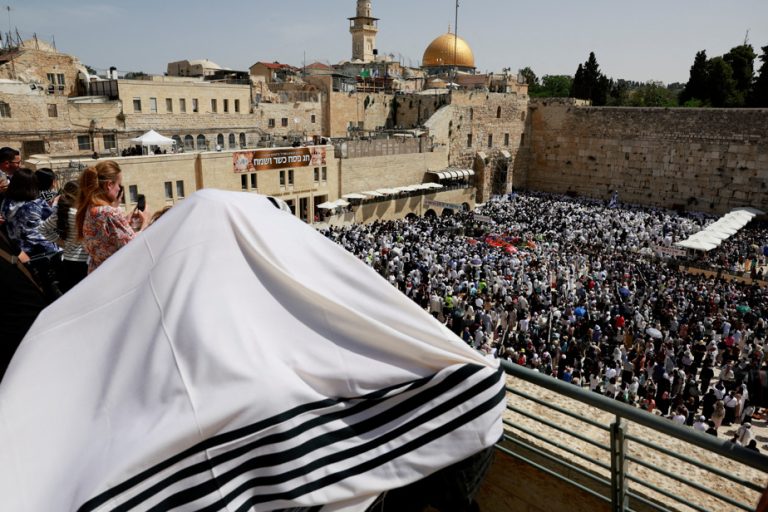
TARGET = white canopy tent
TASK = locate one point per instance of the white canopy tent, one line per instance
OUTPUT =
(713, 235)
(152, 138)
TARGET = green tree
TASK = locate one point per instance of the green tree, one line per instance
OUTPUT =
(619, 95)
(653, 94)
(589, 83)
(722, 86)
(554, 86)
(741, 60)
(759, 94)
(135, 74)
(579, 85)
(530, 77)
(697, 87)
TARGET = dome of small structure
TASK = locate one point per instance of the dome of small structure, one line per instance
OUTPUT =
(440, 53)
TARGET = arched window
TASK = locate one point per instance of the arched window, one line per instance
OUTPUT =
(242, 140)
(232, 140)
(177, 139)
(189, 142)
(498, 112)
(220, 139)
(201, 142)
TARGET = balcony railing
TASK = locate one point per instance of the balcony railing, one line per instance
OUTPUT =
(671, 476)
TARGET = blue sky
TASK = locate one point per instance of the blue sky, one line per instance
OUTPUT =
(650, 40)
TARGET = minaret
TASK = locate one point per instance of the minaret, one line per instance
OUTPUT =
(363, 28)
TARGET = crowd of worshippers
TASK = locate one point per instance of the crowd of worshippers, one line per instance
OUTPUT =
(53, 235)
(574, 289)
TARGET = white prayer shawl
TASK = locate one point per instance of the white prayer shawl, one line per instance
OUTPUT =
(232, 357)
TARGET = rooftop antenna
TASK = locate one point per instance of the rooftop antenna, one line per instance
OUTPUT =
(746, 38)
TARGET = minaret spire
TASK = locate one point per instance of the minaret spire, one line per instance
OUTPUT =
(363, 28)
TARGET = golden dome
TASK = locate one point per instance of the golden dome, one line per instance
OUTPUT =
(440, 53)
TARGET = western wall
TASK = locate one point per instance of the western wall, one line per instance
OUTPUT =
(701, 159)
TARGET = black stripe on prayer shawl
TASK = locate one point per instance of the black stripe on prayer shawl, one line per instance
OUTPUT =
(232, 436)
(201, 490)
(389, 456)
(449, 382)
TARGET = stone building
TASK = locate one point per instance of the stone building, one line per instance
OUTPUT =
(195, 68)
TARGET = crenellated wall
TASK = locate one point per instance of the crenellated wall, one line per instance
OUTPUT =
(703, 159)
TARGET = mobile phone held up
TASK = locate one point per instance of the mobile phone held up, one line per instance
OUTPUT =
(141, 202)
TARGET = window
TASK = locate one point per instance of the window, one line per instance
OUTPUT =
(284, 122)
(109, 141)
(51, 78)
(201, 142)
(168, 189)
(232, 140)
(226, 105)
(5, 109)
(253, 180)
(325, 173)
(214, 107)
(84, 142)
(490, 140)
(137, 104)
(506, 139)
(194, 105)
(60, 80)
(153, 105)
(182, 105)
(180, 189)
(242, 140)
(270, 123)
(168, 105)
(53, 111)
(290, 177)
(189, 142)
(498, 112)
(469, 140)
(177, 139)
(244, 181)
(317, 174)
(471, 114)
(237, 105)
(313, 118)
(282, 178)
(220, 141)
(133, 193)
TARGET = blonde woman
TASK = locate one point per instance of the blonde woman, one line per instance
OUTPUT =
(101, 224)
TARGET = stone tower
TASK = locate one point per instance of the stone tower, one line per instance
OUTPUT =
(363, 28)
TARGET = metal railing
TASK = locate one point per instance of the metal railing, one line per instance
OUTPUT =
(615, 470)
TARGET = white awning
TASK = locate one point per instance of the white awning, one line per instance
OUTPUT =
(387, 191)
(354, 195)
(696, 245)
(372, 193)
(471, 172)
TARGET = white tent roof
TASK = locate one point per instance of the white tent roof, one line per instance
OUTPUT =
(241, 344)
(698, 245)
(152, 138)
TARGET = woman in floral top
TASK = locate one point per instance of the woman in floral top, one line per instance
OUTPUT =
(101, 224)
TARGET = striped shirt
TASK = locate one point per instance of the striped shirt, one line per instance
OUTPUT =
(73, 249)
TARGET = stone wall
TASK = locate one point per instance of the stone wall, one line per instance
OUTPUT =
(704, 159)
(361, 174)
(369, 111)
(412, 110)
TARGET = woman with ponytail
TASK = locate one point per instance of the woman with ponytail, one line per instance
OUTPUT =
(61, 228)
(101, 224)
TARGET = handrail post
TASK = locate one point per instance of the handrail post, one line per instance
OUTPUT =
(618, 467)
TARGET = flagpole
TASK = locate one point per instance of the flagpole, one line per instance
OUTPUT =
(455, 41)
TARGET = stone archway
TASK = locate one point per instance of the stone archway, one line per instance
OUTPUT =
(430, 214)
(447, 212)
